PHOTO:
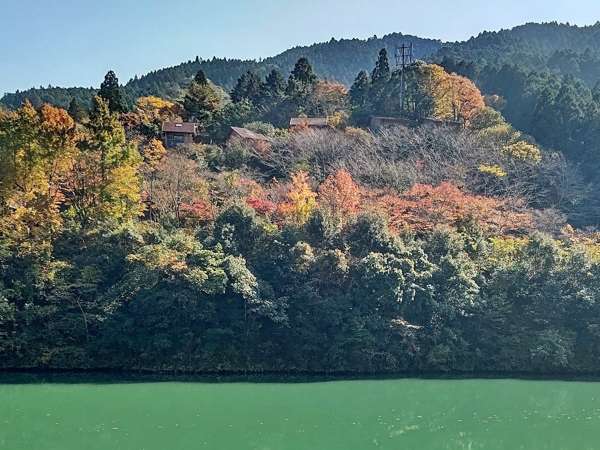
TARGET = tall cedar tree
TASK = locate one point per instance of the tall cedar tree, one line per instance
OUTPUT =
(379, 80)
(381, 72)
(201, 100)
(274, 85)
(247, 88)
(111, 92)
(359, 92)
(302, 78)
(106, 183)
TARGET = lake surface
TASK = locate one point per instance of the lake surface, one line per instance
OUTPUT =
(340, 415)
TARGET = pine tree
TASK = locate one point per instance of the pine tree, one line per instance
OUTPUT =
(272, 90)
(106, 135)
(303, 72)
(111, 92)
(239, 90)
(201, 100)
(200, 78)
(379, 80)
(253, 87)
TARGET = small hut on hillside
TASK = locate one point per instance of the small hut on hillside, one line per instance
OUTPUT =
(255, 140)
(308, 122)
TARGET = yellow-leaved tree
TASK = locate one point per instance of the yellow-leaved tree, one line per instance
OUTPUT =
(149, 113)
(433, 92)
(105, 183)
(301, 200)
(37, 150)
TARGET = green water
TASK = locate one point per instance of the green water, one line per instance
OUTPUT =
(341, 415)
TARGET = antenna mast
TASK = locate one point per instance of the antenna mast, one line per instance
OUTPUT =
(404, 58)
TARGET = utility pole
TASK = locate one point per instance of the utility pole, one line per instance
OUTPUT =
(404, 58)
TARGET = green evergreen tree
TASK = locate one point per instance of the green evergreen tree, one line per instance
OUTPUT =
(381, 72)
(108, 185)
(111, 92)
(359, 92)
(273, 87)
(76, 111)
(201, 100)
(200, 77)
(380, 88)
(302, 79)
(303, 72)
(106, 135)
(252, 86)
(247, 88)
(238, 93)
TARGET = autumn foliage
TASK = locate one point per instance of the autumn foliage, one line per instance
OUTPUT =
(300, 200)
(465, 99)
(37, 149)
(433, 92)
(339, 195)
(199, 210)
(262, 205)
(424, 207)
(454, 97)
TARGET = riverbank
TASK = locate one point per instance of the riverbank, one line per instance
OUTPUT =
(116, 376)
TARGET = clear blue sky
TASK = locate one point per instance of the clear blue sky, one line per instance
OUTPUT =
(74, 42)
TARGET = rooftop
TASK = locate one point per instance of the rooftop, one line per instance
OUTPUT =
(309, 122)
(244, 133)
(179, 127)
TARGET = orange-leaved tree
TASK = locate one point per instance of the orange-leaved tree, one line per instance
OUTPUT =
(423, 207)
(465, 99)
(339, 195)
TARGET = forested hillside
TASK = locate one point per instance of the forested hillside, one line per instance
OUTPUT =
(558, 48)
(449, 241)
(545, 81)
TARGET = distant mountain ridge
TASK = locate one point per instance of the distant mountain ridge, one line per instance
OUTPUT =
(562, 49)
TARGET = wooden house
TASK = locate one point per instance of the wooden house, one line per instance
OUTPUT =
(257, 141)
(179, 133)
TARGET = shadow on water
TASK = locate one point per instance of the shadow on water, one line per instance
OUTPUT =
(124, 377)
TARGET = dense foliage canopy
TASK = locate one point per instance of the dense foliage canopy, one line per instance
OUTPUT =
(450, 241)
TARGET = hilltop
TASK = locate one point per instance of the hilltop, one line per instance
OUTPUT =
(338, 60)
(556, 48)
